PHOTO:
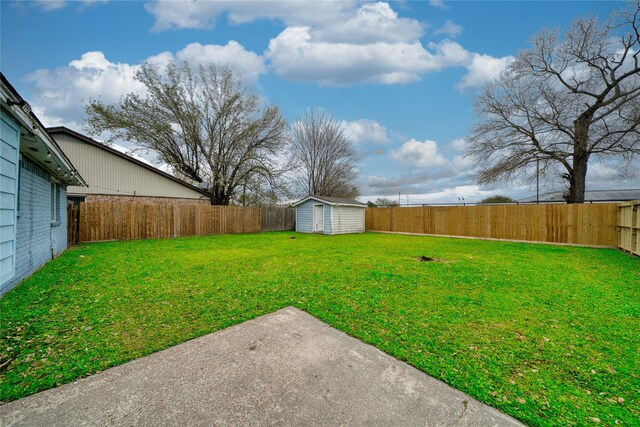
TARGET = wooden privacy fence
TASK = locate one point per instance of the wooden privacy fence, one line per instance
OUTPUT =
(99, 221)
(276, 218)
(73, 212)
(582, 224)
(629, 227)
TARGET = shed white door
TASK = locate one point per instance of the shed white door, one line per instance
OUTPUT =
(318, 218)
(9, 144)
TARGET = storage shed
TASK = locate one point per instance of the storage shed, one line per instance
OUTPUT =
(329, 215)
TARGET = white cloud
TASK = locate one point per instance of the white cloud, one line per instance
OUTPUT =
(599, 171)
(336, 43)
(295, 55)
(373, 46)
(462, 164)
(58, 94)
(49, 120)
(247, 64)
(438, 3)
(203, 14)
(365, 131)
(458, 144)
(452, 195)
(449, 29)
(373, 22)
(48, 5)
(419, 154)
(94, 59)
(450, 54)
(482, 69)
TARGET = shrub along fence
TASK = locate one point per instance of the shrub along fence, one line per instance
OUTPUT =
(581, 224)
(630, 227)
(100, 221)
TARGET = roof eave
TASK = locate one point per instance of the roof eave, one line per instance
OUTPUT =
(60, 166)
(320, 199)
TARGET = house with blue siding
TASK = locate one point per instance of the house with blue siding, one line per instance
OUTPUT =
(329, 215)
(34, 175)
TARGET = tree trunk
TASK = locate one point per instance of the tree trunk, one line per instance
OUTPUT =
(219, 197)
(578, 178)
(577, 182)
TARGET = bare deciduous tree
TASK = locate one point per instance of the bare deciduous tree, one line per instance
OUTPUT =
(562, 102)
(204, 124)
(324, 160)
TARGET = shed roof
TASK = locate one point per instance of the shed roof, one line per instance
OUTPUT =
(590, 196)
(333, 201)
(93, 142)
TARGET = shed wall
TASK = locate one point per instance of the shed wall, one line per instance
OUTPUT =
(328, 222)
(347, 219)
(304, 217)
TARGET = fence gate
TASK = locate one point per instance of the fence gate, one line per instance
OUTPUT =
(629, 225)
(73, 223)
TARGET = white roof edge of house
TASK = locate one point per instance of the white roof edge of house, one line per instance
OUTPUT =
(320, 199)
(10, 102)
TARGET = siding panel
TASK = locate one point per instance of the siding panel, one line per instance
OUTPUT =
(37, 240)
(304, 217)
(328, 226)
(9, 142)
(348, 220)
(107, 173)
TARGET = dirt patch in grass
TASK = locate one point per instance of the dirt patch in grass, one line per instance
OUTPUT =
(423, 258)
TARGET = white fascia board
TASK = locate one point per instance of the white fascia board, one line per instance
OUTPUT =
(45, 139)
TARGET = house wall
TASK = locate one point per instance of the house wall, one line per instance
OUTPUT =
(347, 219)
(304, 217)
(109, 174)
(9, 172)
(37, 238)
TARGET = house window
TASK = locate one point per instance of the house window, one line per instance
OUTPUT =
(55, 202)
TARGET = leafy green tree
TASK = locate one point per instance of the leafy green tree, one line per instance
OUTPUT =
(497, 199)
(205, 125)
(383, 202)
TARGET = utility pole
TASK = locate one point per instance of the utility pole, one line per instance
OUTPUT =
(398, 198)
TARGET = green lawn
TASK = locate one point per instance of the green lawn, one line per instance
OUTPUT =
(547, 334)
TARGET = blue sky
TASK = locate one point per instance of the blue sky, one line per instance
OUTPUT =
(401, 75)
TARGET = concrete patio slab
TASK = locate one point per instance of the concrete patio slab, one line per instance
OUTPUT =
(286, 368)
